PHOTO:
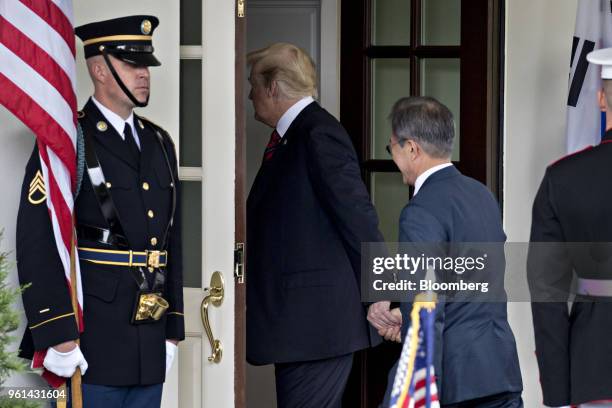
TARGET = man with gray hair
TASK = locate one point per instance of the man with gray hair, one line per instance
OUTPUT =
(307, 214)
(475, 360)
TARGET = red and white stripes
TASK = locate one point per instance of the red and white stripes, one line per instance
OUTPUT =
(37, 84)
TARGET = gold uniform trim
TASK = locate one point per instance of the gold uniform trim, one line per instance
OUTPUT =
(37, 185)
(52, 319)
(177, 313)
(118, 38)
(149, 255)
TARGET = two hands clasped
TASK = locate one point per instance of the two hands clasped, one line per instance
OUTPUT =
(63, 359)
(387, 321)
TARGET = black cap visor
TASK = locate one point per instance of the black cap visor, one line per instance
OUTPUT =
(138, 58)
(134, 54)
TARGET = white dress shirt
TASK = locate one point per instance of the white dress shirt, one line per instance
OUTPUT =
(425, 175)
(288, 117)
(117, 122)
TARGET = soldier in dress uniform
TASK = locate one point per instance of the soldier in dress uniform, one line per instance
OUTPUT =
(129, 235)
(571, 233)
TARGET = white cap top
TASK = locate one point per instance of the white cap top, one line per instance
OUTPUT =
(602, 57)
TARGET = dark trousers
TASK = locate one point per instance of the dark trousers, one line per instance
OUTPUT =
(503, 400)
(102, 396)
(312, 384)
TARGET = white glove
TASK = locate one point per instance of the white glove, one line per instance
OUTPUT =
(170, 352)
(65, 364)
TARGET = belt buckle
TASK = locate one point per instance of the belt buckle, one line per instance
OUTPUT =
(153, 258)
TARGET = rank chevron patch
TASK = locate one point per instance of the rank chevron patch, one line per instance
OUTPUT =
(38, 192)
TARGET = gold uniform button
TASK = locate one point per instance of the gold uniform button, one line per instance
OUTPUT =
(108, 184)
(145, 186)
(150, 213)
(102, 126)
(153, 241)
(151, 269)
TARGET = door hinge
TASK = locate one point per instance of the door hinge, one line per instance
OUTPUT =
(241, 8)
(239, 262)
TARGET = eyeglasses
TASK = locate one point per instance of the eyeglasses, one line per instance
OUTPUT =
(390, 146)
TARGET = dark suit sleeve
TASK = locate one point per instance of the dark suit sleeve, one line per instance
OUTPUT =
(175, 323)
(46, 301)
(336, 179)
(417, 225)
(549, 274)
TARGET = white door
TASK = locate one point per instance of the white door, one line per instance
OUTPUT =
(193, 98)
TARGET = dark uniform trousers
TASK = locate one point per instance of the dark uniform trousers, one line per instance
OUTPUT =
(119, 353)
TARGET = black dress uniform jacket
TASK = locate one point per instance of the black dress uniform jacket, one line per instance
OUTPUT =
(118, 352)
(574, 350)
(307, 214)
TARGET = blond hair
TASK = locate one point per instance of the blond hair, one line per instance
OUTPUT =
(288, 65)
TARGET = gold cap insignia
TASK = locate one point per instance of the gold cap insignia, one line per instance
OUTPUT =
(145, 27)
(102, 126)
(38, 192)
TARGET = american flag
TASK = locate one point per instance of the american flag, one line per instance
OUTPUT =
(415, 381)
(37, 84)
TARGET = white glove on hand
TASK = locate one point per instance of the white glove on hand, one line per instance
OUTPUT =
(65, 364)
(170, 352)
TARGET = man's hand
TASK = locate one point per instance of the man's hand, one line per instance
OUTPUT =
(171, 346)
(381, 317)
(393, 333)
(63, 359)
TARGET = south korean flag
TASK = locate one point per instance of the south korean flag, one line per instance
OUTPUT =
(593, 31)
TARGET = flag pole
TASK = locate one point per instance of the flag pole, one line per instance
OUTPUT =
(77, 395)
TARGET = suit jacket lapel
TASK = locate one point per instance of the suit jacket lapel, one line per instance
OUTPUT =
(108, 138)
(272, 169)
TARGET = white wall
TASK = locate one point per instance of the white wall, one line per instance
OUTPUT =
(538, 46)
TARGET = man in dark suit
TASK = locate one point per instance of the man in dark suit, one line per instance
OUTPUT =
(307, 214)
(129, 235)
(475, 359)
(571, 232)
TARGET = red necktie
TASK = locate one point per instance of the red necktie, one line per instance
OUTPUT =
(272, 145)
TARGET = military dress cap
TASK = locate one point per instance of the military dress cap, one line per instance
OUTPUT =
(128, 38)
(602, 57)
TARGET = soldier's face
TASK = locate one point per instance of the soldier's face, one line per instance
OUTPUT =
(136, 78)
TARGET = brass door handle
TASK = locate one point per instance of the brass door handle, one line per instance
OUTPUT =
(216, 293)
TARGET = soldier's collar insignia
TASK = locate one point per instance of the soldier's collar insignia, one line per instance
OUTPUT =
(102, 126)
(140, 124)
(80, 114)
(146, 27)
(38, 192)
